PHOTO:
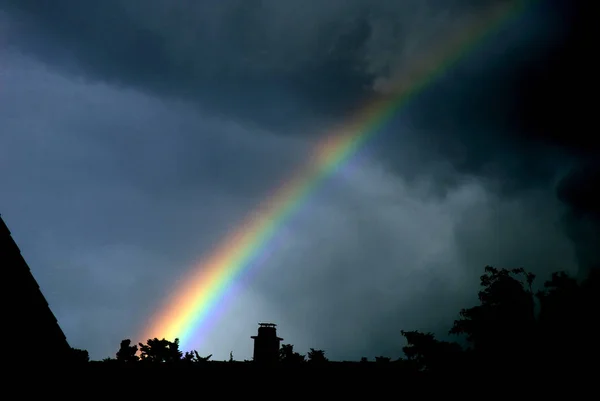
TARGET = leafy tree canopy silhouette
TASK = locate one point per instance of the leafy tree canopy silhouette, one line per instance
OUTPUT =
(288, 356)
(127, 352)
(79, 356)
(160, 351)
(425, 353)
(503, 323)
(317, 356)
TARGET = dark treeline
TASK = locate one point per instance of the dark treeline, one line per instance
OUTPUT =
(513, 328)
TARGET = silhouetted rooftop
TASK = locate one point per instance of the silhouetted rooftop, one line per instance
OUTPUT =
(28, 315)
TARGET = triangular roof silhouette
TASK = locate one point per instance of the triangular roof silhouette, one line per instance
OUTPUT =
(28, 317)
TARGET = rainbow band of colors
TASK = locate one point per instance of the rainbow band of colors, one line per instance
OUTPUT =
(200, 295)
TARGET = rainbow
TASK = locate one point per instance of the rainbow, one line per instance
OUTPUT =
(202, 292)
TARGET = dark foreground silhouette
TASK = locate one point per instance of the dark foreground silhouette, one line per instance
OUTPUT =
(513, 329)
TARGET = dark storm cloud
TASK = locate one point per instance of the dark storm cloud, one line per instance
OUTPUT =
(526, 109)
(556, 108)
(236, 56)
(526, 122)
(231, 55)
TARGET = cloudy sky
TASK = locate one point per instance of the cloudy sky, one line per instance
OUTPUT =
(134, 135)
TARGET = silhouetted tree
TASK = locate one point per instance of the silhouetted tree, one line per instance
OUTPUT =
(78, 356)
(502, 326)
(161, 351)
(316, 356)
(567, 321)
(425, 353)
(127, 353)
(288, 356)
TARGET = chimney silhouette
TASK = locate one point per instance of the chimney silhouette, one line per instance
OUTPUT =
(266, 344)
